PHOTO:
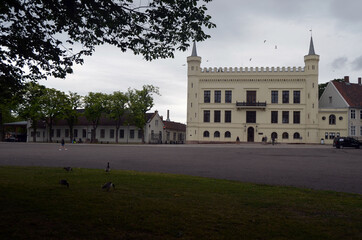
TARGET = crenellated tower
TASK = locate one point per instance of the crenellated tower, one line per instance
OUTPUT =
(311, 73)
(193, 71)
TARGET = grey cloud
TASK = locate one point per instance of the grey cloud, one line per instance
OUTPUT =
(339, 63)
(357, 63)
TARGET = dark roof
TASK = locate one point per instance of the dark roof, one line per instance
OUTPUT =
(175, 126)
(351, 92)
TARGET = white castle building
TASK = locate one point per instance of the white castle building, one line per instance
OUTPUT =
(249, 104)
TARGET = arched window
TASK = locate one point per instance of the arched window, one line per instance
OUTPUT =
(296, 135)
(285, 135)
(227, 134)
(274, 135)
(216, 134)
(206, 134)
(332, 119)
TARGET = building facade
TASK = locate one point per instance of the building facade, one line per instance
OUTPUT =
(340, 110)
(252, 104)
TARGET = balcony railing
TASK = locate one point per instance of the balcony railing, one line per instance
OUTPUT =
(251, 104)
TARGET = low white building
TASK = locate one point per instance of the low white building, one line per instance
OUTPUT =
(155, 131)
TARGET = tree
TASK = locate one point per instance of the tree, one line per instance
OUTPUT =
(69, 111)
(30, 108)
(141, 101)
(94, 107)
(37, 37)
(116, 108)
(51, 103)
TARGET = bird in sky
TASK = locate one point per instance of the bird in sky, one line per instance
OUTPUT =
(276, 47)
(250, 59)
(64, 182)
(264, 41)
(108, 169)
(107, 186)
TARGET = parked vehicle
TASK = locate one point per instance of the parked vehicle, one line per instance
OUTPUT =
(346, 142)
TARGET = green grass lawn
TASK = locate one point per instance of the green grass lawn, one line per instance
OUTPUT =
(33, 205)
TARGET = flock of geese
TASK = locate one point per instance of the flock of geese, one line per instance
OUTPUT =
(107, 186)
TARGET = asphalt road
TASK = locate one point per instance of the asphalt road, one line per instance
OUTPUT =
(309, 166)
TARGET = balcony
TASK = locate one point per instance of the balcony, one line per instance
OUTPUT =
(251, 105)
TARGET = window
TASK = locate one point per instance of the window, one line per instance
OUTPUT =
(111, 133)
(274, 116)
(228, 96)
(228, 116)
(360, 131)
(330, 99)
(217, 96)
(353, 114)
(326, 135)
(103, 133)
(216, 134)
(296, 97)
(360, 115)
(121, 133)
(296, 117)
(140, 133)
(131, 133)
(353, 130)
(296, 135)
(217, 116)
(84, 133)
(75, 133)
(66, 132)
(228, 134)
(206, 134)
(251, 116)
(274, 96)
(285, 96)
(332, 119)
(285, 135)
(206, 96)
(274, 135)
(251, 96)
(331, 135)
(37, 134)
(58, 133)
(285, 117)
(156, 123)
(337, 134)
(206, 115)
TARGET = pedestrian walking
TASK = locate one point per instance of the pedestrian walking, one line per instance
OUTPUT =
(62, 145)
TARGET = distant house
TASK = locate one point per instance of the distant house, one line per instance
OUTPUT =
(340, 110)
(153, 131)
(15, 131)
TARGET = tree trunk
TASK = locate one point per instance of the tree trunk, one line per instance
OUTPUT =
(117, 129)
(1, 126)
(71, 133)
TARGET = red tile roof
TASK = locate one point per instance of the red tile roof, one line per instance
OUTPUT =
(175, 126)
(351, 92)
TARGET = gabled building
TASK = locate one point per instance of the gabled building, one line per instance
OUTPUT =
(340, 110)
(251, 104)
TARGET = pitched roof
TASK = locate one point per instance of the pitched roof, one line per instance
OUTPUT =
(351, 92)
(174, 126)
(194, 52)
(311, 47)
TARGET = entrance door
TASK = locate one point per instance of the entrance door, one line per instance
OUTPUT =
(250, 134)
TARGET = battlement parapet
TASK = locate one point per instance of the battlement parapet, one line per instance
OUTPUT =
(252, 70)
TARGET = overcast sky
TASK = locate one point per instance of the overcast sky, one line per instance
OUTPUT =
(242, 28)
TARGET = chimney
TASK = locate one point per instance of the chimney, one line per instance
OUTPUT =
(168, 116)
(359, 81)
(346, 79)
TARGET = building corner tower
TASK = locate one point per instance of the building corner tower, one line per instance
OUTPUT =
(193, 116)
(311, 72)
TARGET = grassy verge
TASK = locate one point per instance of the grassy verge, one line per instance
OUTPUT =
(165, 206)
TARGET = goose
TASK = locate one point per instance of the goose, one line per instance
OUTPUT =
(68, 169)
(64, 182)
(107, 186)
(108, 169)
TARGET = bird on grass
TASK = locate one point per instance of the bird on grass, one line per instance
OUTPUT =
(64, 182)
(68, 169)
(108, 186)
(108, 169)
